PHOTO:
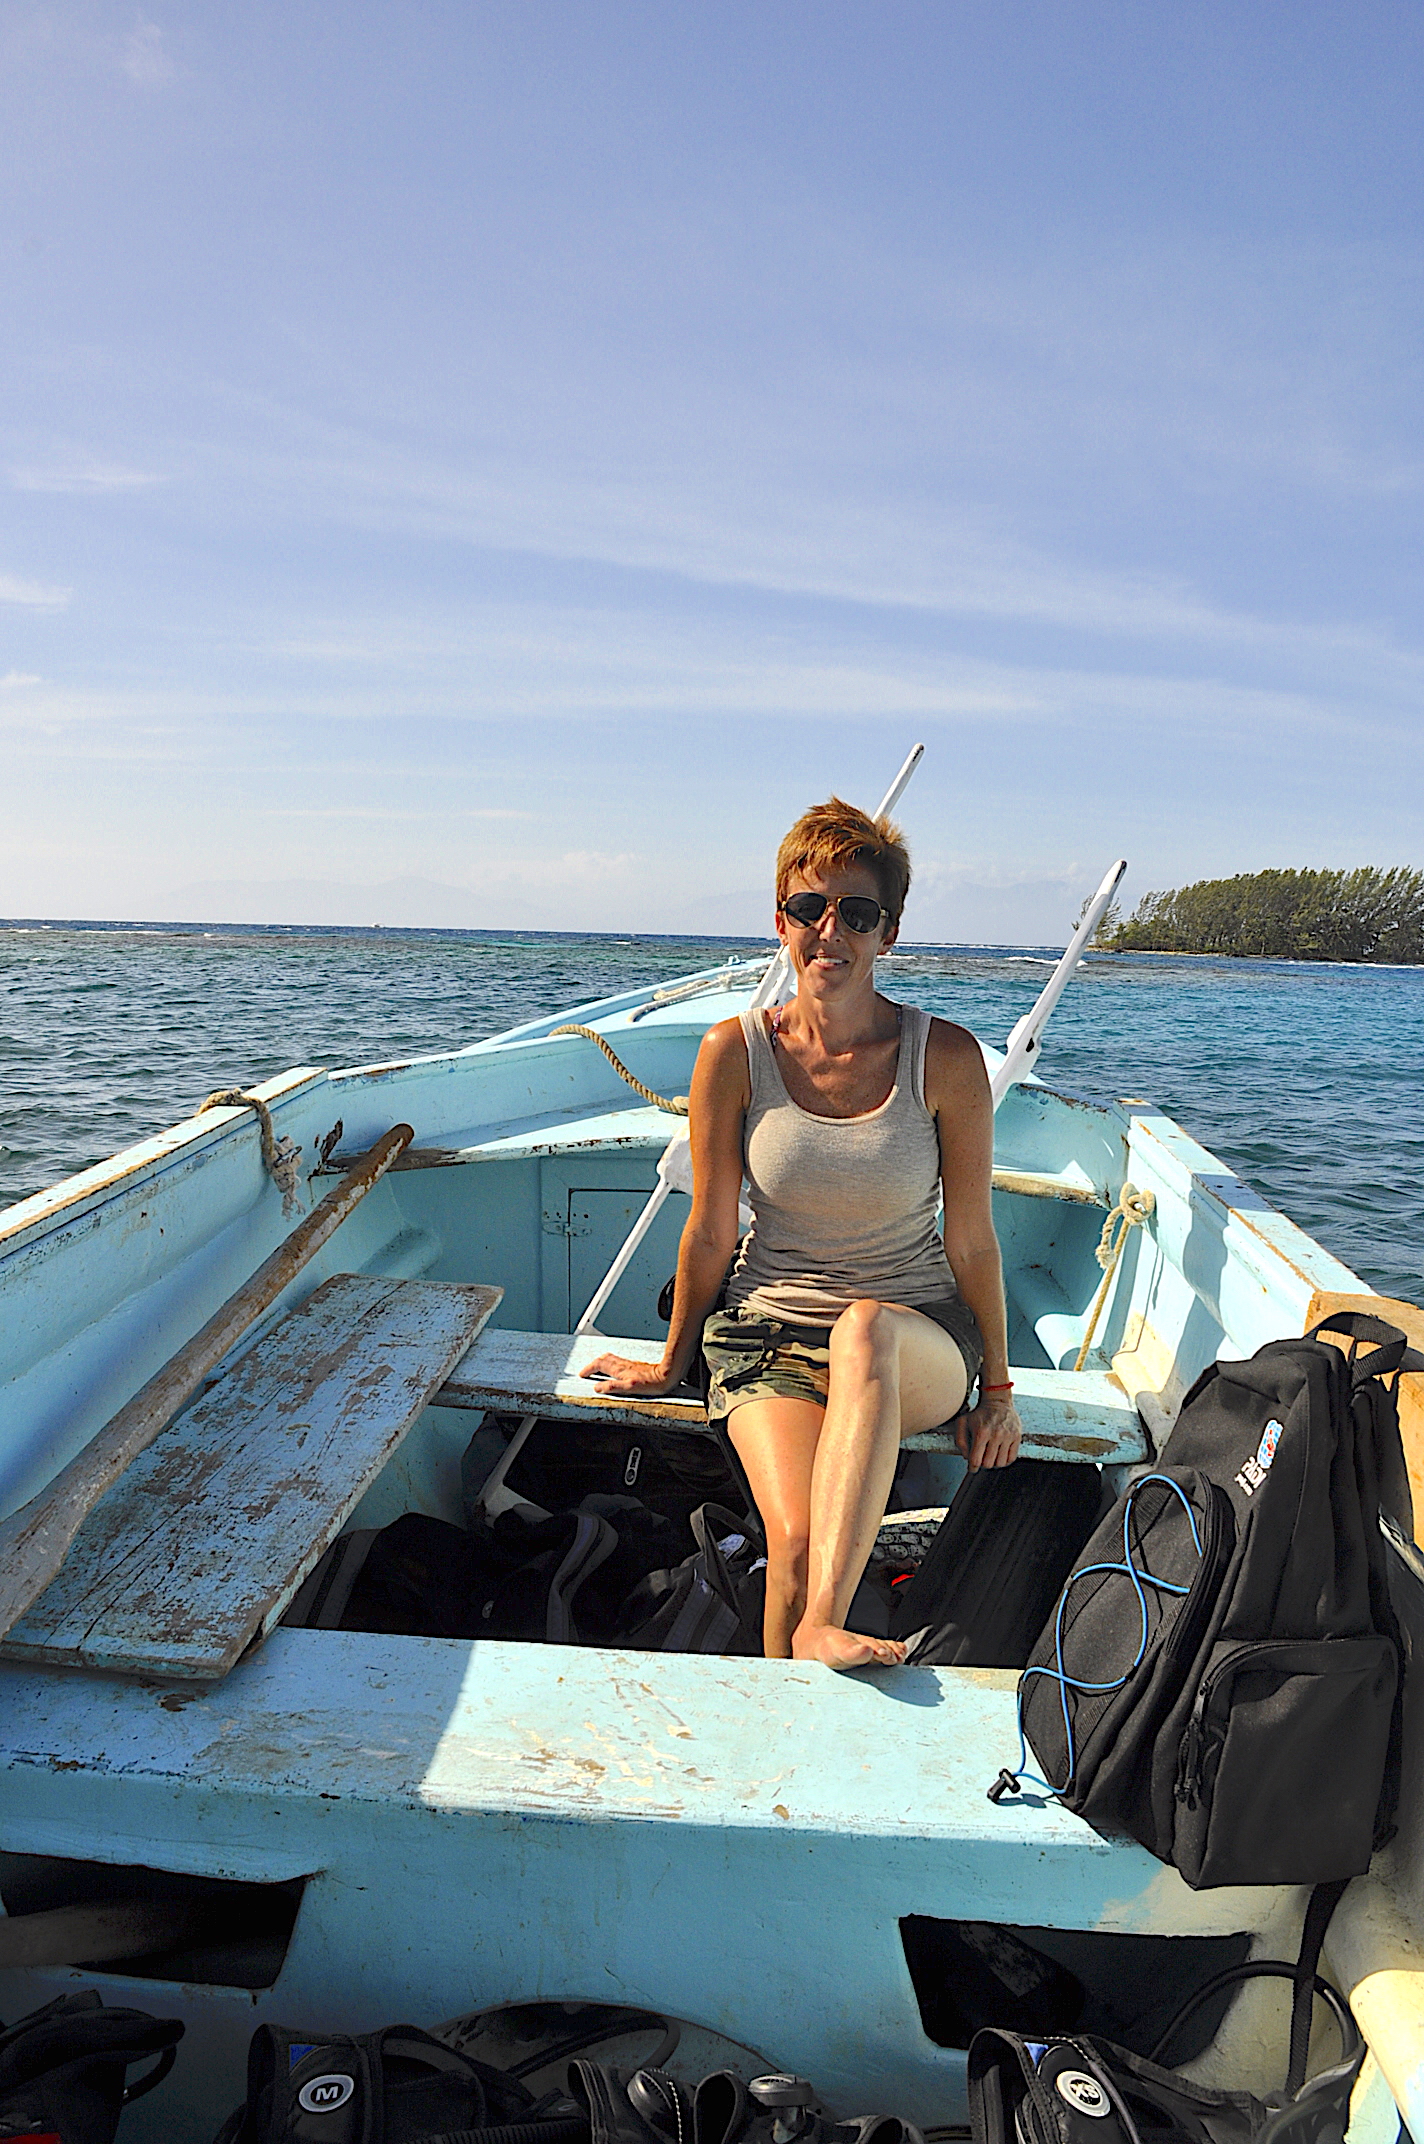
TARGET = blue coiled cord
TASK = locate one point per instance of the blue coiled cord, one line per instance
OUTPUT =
(1140, 1580)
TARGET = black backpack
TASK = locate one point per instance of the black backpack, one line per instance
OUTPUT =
(63, 2069)
(561, 1579)
(1220, 1677)
(1086, 2090)
(713, 1601)
(1049, 2089)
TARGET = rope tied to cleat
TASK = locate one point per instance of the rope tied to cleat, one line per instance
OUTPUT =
(1134, 1209)
(280, 1157)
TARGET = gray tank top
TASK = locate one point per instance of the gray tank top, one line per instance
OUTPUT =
(844, 1207)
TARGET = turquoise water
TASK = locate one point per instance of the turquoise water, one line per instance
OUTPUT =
(1309, 1080)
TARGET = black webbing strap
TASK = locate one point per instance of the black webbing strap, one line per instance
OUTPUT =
(1391, 1346)
(1323, 1901)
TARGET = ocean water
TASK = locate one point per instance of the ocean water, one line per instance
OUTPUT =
(1307, 1079)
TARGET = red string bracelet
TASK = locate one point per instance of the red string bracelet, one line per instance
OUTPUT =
(998, 1388)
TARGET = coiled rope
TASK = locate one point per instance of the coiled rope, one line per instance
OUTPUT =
(676, 1106)
(280, 1157)
(1133, 1210)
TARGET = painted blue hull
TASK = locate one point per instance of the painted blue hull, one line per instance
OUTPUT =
(732, 1841)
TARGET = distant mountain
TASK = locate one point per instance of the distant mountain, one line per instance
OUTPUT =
(944, 908)
(400, 903)
(960, 910)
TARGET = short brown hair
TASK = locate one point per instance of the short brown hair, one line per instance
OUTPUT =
(834, 836)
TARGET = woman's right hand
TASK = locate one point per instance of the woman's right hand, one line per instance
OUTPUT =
(629, 1379)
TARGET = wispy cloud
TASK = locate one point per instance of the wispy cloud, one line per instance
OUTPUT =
(15, 680)
(34, 595)
(333, 650)
(935, 876)
(500, 664)
(378, 812)
(797, 536)
(144, 57)
(84, 477)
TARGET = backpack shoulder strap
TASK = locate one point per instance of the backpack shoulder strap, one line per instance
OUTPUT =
(1322, 1903)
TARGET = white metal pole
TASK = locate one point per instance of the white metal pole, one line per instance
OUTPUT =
(588, 1323)
(1021, 1049)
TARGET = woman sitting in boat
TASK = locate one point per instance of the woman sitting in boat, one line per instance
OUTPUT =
(848, 1321)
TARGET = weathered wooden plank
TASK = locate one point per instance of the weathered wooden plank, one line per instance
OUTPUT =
(1034, 1184)
(198, 1548)
(538, 1373)
(1078, 1415)
(35, 1539)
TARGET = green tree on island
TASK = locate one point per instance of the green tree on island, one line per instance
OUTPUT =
(1366, 914)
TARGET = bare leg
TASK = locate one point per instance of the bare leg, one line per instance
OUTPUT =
(893, 1373)
(776, 1443)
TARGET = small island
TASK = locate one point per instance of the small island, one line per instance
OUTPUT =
(1364, 915)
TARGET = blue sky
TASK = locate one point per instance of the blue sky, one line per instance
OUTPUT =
(495, 464)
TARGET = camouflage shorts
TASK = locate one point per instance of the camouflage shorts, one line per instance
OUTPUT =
(753, 1357)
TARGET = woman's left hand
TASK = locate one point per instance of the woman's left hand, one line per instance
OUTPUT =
(989, 1435)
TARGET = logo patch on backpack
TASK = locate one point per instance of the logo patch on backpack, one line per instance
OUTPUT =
(323, 2095)
(1256, 1469)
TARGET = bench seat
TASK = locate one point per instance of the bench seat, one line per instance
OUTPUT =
(199, 1546)
(1083, 1415)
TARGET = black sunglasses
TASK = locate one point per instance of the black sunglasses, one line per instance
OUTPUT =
(856, 910)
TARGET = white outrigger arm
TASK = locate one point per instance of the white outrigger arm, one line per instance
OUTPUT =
(1021, 1049)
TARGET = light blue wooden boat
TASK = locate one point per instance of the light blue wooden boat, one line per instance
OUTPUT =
(410, 1829)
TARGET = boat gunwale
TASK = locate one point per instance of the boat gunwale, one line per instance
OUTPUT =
(76, 1196)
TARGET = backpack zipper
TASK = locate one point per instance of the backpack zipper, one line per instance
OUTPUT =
(1204, 1739)
(1216, 1553)
(1201, 1742)
(1192, 1762)
(1220, 1542)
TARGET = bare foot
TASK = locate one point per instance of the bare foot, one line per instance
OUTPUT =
(836, 1648)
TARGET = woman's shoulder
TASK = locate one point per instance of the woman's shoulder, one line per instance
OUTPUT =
(945, 1040)
(953, 1058)
(949, 1034)
(722, 1061)
(725, 1041)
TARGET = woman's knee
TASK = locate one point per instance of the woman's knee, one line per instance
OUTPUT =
(864, 1335)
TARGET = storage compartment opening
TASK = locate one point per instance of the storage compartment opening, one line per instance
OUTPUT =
(967, 1974)
(472, 1529)
(144, 1923)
